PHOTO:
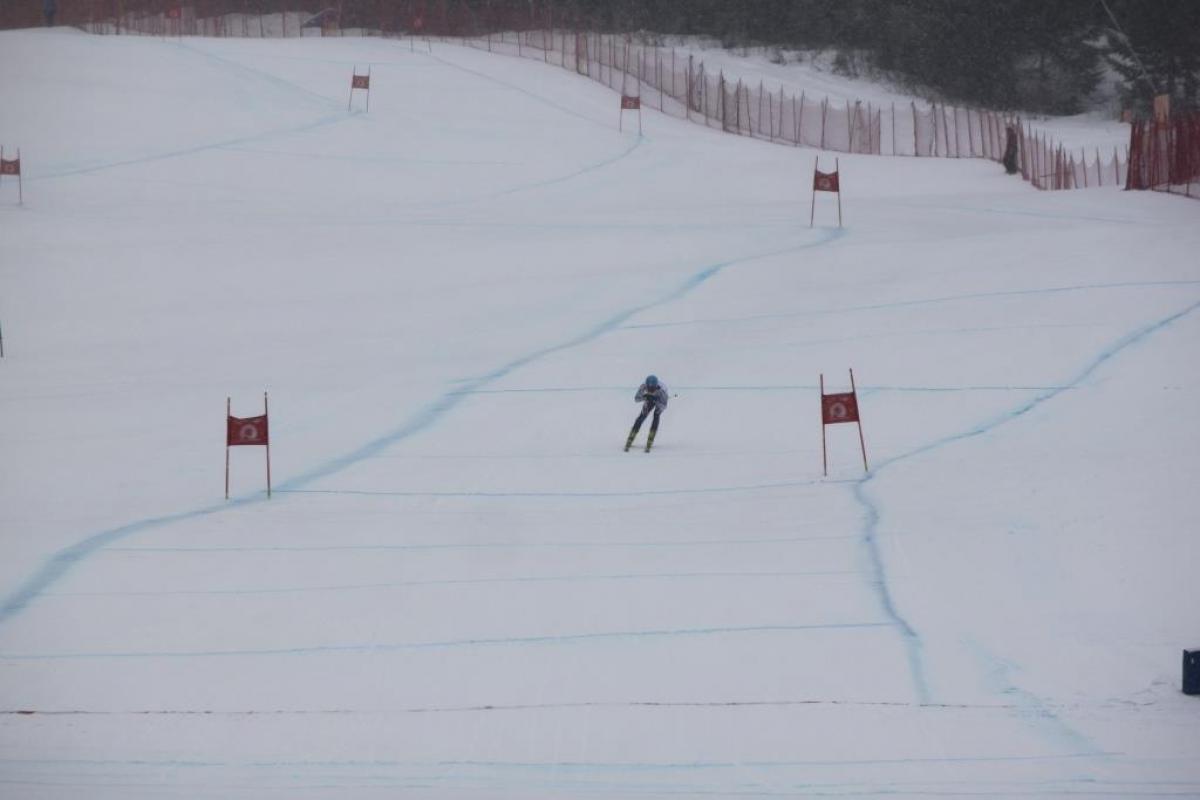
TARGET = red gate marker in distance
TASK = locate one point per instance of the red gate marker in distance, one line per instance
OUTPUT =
(825, 182)
(630, 103)
(360, 82)
(241, 431)
(12, 166)
(836, 409)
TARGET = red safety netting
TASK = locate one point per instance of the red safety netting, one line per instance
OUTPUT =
(1164, 155)
(673, 83)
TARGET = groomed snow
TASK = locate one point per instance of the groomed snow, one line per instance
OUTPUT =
(462, 587)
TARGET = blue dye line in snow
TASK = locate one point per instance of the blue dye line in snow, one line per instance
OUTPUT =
(374, 647)
(602, 544)
(596, 766)
(792, 387)
(493, 495)
(332, 119)
(242, 71)
(450, 400)
(1029, 704)
(58, 564)
(605, 124)
(628, 576)
(872, 512)
(929, 301)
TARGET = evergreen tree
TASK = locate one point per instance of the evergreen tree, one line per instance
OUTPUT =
(1155, 48)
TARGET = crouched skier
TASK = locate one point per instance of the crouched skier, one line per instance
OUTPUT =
(653, 396)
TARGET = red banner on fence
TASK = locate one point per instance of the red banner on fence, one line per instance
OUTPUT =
(174, 13)
(247, 430)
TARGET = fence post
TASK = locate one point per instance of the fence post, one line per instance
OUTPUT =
(770, 115)
(824, 115)
(781, 101)
(916, 148)
(799, 119)
(851, 118)
(893, 128)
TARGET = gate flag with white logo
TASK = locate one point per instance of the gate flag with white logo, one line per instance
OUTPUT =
(838, 408)
(12, 166)
(825, 182)
(630, 103)
(360, 82)
(240, 431)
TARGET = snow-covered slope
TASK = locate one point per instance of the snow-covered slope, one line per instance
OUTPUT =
(462, 586)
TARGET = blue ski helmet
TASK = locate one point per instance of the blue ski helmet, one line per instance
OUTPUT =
(652, 381)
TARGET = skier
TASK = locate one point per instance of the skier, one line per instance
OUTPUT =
(652, 395)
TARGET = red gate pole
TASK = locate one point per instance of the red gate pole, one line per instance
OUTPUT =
(812, 214)
(268, 416)
(861, 442)
(227, 410)
(824, 457)
(837, 171)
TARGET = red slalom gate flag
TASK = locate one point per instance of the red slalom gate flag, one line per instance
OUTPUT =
(630, 103)
(825, 181)
(10, 166)
(246, 431)
(837, 408)
(360, 82)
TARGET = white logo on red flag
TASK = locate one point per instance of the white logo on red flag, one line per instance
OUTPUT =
(631, 103)
(825, 181)
(837, 408)
(247, 431)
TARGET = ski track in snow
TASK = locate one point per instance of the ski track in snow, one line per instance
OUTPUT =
(62, 561)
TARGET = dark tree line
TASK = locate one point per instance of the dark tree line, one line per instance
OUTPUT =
(1028, 55)
(1038, 55)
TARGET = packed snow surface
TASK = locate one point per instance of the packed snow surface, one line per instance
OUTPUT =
(461, 585)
